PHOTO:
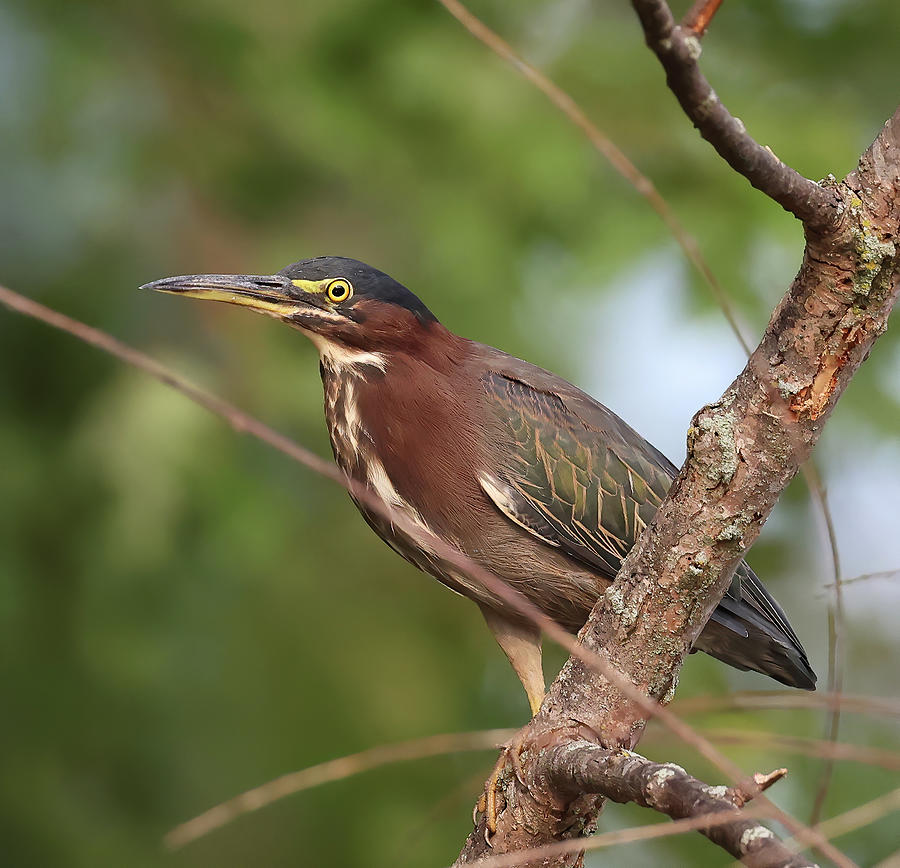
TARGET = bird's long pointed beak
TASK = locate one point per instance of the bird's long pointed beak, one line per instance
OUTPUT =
(270, 294)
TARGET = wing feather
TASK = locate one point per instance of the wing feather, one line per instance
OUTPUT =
(583, 481)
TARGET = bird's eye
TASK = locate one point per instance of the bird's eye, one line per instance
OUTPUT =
(339, 290)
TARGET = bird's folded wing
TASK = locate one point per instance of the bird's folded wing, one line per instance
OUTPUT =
(575, 476)
(580, 479)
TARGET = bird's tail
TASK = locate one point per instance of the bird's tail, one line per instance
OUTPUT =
(749, 630)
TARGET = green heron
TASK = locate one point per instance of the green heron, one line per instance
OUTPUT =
(513, 466)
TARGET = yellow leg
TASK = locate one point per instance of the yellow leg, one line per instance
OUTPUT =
(522, 645)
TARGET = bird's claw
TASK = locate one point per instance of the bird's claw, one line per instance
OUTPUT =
(487, 802)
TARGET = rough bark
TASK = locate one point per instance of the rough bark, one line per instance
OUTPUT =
(743, 450)
(581, 767)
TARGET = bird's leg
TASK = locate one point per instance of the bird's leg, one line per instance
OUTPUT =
(522, 645)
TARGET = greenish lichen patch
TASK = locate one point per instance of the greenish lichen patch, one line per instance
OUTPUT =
(670, 693)
(720, 425)
(871, 252)
(627, 612)
(733, 532)
(788, 388)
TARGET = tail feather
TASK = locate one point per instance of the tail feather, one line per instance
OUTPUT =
(750, 631)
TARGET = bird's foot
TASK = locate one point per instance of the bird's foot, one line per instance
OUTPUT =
(510, 755)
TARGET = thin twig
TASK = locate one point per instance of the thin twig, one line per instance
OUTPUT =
(608, 149)
(699, 16)
(244, 422)
(865, 577)
(836, 629)
(328, 772)
(241, 421)
(364, 761)
(780, 699)
(678, 51)
(860, 816)
(815, 747)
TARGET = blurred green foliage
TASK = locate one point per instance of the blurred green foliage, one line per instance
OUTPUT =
(184, 613)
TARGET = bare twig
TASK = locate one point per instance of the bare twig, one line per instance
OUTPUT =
(865, 577)
(836, 626)
(766, 699)
(678, 50)
(699, 16)
(860, 816)
(354, 764)
(609, 150)
(815, 747)
(327, 772)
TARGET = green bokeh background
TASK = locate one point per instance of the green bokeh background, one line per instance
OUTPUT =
(185, 613)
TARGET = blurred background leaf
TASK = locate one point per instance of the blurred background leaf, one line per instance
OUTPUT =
(185, 614)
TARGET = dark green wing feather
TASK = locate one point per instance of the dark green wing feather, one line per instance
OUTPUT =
(580, 479)
(589, 486)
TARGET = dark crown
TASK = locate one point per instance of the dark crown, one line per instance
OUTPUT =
(368, 282)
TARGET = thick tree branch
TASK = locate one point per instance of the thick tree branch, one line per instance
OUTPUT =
(678, 50)
(696, 21)
(581, 768)
(743, 451)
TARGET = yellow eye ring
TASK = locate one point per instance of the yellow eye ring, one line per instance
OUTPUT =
(339, 290)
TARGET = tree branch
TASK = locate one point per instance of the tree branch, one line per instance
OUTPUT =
(758, 700)
(578, 768)
(609, 150)
(678, 50)
(699, 16)
(696, 21)
(742, 452)
(326, 772)
(582, 767)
